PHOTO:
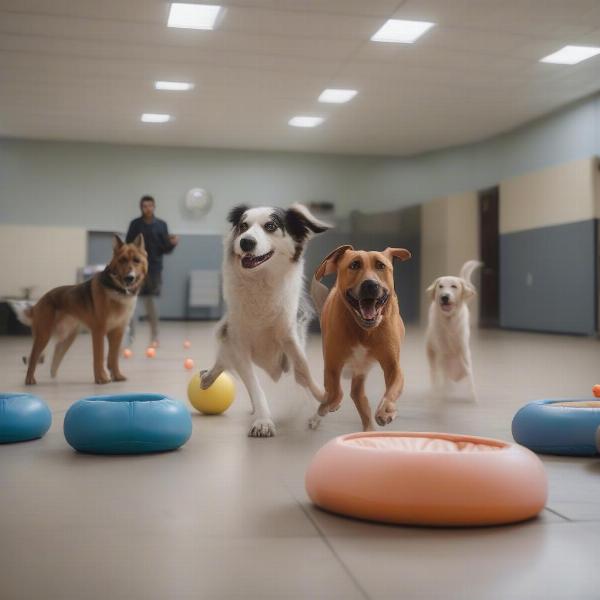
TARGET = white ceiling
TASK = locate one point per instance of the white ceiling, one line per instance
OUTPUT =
(84, 70)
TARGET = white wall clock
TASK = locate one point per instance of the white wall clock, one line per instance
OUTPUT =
(198, 202)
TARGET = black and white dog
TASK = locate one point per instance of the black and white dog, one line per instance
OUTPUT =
(267, 311)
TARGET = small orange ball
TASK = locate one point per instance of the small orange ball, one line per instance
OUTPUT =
(188, 363)
(127, 353)
(187, 344)
(150, 352)
(596, 390)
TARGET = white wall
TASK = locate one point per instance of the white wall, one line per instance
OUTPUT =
(39, 257)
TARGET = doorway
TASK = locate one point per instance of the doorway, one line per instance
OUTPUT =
(489, 246)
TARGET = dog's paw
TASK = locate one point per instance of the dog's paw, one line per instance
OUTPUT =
(262, 428)
(206, 380)
(102, 378)
(119, 377)
(385, 414)
(328, 407)
(30, 380)
(321, 396)
(314, 421)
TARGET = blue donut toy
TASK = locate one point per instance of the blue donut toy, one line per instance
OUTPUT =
(23, 417)
(127, 424)
(566, 427)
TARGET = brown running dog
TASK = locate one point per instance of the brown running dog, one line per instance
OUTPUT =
(104, 304)
(360, 325)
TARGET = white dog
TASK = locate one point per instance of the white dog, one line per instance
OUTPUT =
(267, 311)
(448, 329)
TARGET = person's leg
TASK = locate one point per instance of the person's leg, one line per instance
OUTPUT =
(130, 334)
(152, 316)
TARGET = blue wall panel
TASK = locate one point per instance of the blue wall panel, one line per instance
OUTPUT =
(548, 279)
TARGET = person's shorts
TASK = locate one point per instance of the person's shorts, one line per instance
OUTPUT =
(152, 284)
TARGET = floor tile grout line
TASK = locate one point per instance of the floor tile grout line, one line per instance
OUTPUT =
(326, 541)
(555, 512)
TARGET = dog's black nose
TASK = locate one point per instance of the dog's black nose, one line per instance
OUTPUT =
(445, 298)
(129, 279)
(369, 288)
(247, 244)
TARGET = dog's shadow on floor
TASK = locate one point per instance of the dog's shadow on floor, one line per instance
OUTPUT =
(593, 466)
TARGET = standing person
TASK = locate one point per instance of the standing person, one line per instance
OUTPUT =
(158, 242)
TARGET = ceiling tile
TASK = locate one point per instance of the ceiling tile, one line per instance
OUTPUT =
(84, 70)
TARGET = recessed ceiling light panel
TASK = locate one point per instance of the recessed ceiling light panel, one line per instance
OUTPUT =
(173, 86)
(400, 31)
(571, 55)
(155, 118)
(336, 96)
(193, 16)
(303, 121)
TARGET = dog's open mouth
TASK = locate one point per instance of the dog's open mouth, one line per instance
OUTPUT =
(249, 261)
(446, 307)
(128, 285)
(367, 310)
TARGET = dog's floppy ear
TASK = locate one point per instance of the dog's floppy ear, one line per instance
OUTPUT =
(329, 264)
(468, 290)
(139, 242)
(236, 213)
(399, 253)
(301, 223)
(117, 242)
(430, 291)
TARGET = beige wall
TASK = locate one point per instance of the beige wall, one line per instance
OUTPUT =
(44, 257)
(434, 243)
(449, 237)
(566, 193)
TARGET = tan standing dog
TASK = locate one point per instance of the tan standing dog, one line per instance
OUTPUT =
(360, 325)
(104, 304)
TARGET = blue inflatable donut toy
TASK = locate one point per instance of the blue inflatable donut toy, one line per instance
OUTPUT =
(565, 427)
(23, 417)
(127, 424)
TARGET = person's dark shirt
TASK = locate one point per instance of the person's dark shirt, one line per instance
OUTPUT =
(156, 240)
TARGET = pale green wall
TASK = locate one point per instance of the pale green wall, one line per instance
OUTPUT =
(570, 134)
(98, 185)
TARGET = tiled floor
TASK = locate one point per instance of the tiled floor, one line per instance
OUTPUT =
(227, 516)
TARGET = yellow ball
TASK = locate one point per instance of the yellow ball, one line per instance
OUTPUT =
(216, 399)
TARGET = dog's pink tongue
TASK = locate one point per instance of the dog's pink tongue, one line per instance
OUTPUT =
(367, 309)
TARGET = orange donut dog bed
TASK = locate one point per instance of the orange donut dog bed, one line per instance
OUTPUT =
(427, 479)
